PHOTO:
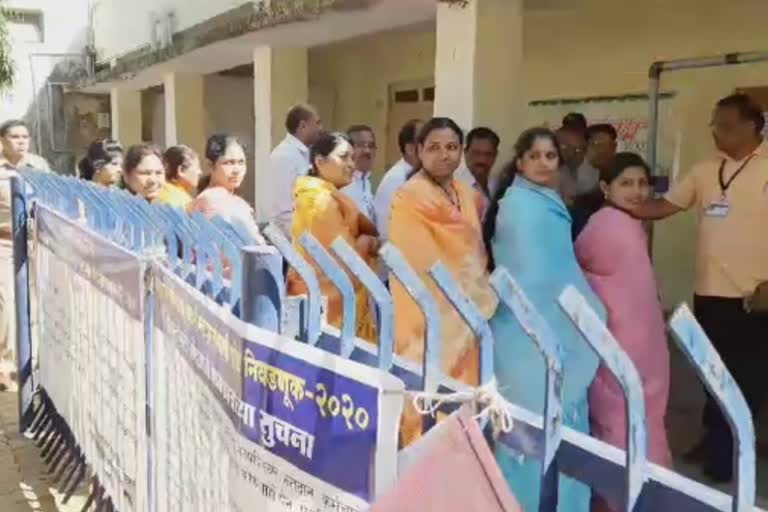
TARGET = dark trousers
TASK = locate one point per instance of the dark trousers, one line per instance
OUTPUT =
(741, 339)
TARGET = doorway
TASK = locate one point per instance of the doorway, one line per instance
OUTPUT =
(407, 100)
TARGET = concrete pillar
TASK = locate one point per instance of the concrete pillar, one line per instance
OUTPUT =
(280, 81)
(478, 65)
(185, 110)
(126, 115)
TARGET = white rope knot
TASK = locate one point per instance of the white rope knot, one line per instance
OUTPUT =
(486, 399)
(155, 253)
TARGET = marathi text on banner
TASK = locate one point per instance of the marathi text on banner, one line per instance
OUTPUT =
(294, 429)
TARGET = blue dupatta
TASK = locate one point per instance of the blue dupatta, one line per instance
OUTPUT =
(533, 241)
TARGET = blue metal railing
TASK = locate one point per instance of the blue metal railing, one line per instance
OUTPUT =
(221, 261)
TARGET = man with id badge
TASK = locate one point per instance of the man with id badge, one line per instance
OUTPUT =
(730, 194)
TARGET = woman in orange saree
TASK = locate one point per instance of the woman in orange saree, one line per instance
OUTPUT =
(326, 213)
(434, 218)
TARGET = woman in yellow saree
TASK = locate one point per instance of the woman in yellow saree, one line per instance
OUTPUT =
(434, 218)
(182, 176)
(325, 212)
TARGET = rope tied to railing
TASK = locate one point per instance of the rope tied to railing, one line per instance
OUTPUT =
(486, 399)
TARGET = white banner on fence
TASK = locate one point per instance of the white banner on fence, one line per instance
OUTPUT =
(90, 335)
(244, 419)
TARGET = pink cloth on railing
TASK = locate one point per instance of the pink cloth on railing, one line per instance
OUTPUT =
(613, 251)
(456, 473)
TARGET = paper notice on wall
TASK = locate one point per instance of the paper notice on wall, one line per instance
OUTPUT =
(103, 120)
(628, 115)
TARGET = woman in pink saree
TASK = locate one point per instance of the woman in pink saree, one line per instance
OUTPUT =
(613, 251)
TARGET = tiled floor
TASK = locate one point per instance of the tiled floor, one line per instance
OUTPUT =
(24, 482)
(684, 427)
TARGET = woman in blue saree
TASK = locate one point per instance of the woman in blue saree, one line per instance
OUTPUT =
(528, 231)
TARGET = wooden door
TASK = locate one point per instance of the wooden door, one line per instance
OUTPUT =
(407, 100)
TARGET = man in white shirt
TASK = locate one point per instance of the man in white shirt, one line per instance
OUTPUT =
(289, 160)
(363, 153)
(480, 151)
(396, 176)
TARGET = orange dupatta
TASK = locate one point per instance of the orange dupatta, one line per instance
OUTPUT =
(325, 212)
(426, 227)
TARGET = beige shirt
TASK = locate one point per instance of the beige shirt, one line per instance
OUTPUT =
(732, 250)
(7, 171)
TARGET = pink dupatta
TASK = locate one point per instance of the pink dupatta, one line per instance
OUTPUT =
(613, 251)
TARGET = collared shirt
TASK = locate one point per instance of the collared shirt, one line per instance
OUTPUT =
(30, 161)
(732, 249)
(288, 161)
(583, 181)
(382, 202)
(7, 171)
(464, 174)
(361, 192)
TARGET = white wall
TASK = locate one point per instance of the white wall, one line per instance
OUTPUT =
(65, 28)
(122, 26)
(65, 31)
